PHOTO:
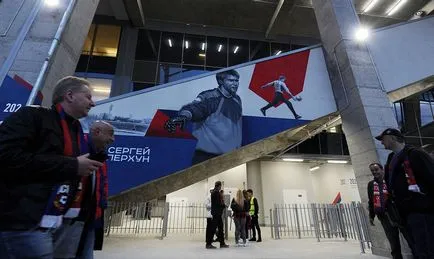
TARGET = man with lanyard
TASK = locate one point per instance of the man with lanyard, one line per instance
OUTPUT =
(42, 156)
(82, 230)
(253, 212)
(409, 174)
(377, 199)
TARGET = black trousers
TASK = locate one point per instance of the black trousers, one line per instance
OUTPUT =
(392, 234)
(420, 227)
(255, 224)
(278, 97)
(216, 222)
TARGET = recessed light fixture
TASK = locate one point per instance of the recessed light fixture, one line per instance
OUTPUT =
(170, 42)
(236, 49)
(203, 45)
(187, 44)
(337, 161)
(52, 3)
(314, 168)
(278, 52)
(201, 55)
(293, 159)
(220, 47)
(396, 7)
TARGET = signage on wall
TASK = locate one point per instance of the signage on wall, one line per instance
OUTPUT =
(348, 181)
(14, 93)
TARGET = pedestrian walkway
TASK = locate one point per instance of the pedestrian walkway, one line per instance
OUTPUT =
(194, 247)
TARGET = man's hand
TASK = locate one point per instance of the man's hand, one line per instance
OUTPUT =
(371, 221)
(86, 166)
(172, 123)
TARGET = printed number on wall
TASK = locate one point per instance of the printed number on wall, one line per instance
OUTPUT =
(12, 107)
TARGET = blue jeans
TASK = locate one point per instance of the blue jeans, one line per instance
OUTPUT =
(88, 245)
(26, 244)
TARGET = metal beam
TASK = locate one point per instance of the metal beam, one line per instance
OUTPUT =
(273, 19)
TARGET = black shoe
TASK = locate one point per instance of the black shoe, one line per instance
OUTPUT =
(224, 245)
(210, 247)
(259, 240)
(252, 239)
(263, 111)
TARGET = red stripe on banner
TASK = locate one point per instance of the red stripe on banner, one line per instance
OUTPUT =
(337, 199)
(156, 128)
(26, 84)
(292, 66)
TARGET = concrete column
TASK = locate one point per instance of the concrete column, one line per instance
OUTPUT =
(363, 104)
(254, 182)
(126, 56)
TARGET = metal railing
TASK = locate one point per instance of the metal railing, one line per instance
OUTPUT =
(321, 221)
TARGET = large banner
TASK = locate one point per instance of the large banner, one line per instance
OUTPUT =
(14, 93)
(169, 128)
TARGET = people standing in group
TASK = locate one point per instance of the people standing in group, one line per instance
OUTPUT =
(43, 155)
(378, 195)
(409, 174)
(217, 208)
(253, 212)
(240, 207)
(248, 218)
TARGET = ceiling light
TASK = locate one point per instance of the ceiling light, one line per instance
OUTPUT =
(337, 161)
(186, 44)
(361, 34)
(236, 49)
(314, 168)
(370, 6)
(396, 7)
(332, 130)
(52, 3)
(203, 45)
(278, 52)
(170, 42)
(293, 159)
(201, 55)
(220, 47)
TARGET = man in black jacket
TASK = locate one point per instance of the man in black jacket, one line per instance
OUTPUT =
(217, 207)
(409, 174)
(41, 159)
(377, 201)
(253, 212)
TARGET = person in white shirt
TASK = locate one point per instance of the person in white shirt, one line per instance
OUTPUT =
(280, 86)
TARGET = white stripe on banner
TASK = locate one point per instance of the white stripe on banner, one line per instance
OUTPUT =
(50, 221)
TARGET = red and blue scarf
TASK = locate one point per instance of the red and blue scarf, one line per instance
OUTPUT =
(60, 198)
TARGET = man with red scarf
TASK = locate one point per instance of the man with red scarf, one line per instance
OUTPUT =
(84, 225)
(43, 155)
(377, 200)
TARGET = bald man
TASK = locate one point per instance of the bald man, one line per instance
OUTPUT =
(84, 233)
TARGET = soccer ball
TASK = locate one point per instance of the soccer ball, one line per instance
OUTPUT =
(298, 98)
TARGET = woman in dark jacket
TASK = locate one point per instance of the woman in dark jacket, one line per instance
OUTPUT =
(240, 207)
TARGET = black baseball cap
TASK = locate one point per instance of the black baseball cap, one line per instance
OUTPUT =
(390, 132)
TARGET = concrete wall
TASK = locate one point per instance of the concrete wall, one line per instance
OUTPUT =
(321, 185)
(404, 47)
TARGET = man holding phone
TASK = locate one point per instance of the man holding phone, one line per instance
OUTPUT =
(83, 229)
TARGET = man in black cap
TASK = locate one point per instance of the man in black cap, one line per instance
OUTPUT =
(217, 207)
(409, 174)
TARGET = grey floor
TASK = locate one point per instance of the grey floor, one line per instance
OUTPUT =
(194, 247)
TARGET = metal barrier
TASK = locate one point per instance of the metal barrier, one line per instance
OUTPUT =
(156, 219)
(321, 221)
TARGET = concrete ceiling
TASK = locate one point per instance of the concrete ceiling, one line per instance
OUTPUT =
(296, 17)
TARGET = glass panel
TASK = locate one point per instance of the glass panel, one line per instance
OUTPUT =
(398, 113)
(171, 47)
(426, 113)
(238, 51)
(209, 68)
(216, 52)
(88, 41)
(331, 143)
(147, 45)
(101, 64)
(194, 50)
(82, 63)
(107, 41)
(140, 86)
(144, 71)
(259, 49)
(278, 48)
(310, 146)
(169, 73)
(100, 88)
